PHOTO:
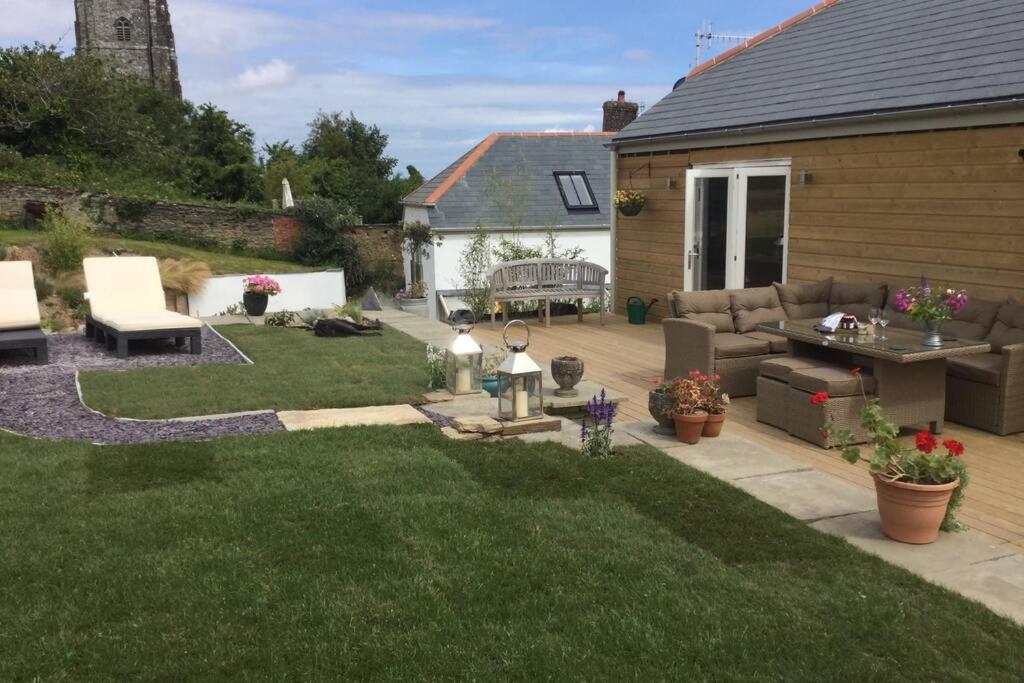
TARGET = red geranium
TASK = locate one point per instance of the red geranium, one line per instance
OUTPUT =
(855, 372)
(954, 447)
(819, 398)
(926, 442)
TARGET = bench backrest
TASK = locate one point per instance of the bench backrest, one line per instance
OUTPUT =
(538, 273)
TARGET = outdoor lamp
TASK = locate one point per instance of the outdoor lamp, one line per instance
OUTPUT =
(465, 360)
(520, 395)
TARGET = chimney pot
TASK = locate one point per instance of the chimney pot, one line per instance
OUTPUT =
(622, 96)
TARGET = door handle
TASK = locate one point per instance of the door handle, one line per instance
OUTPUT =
(692, 256)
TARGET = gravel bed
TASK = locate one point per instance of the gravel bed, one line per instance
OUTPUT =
(43, 401)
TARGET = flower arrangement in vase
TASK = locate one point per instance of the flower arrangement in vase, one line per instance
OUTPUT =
(256, 293)
(931, 307)
(630, 202)
(919, 489)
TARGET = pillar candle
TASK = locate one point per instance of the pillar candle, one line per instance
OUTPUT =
(521, 398)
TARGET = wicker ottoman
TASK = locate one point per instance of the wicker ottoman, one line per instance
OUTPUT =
(843, 409)
(773, 388)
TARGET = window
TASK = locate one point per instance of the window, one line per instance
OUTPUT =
(123, 29)
(575, 189)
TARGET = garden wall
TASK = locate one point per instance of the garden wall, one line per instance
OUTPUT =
(223, 226)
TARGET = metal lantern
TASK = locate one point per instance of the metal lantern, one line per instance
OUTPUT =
(520, 395)
(465, 362)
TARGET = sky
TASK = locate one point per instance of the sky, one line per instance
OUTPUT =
(437, 77)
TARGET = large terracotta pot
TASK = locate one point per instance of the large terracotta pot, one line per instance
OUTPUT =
(713, 427)
(660, 405)
(912, 513)
(689, 427)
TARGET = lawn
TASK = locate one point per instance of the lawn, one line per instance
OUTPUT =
(220, 263)
(394, 553)
(294, 370)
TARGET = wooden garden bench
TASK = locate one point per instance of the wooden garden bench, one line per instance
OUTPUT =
(542, 280)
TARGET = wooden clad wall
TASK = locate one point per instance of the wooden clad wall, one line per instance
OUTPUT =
(883, 208)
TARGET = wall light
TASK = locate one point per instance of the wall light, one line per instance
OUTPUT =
(806, 177)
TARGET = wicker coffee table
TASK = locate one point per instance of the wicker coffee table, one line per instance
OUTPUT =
(910, 378)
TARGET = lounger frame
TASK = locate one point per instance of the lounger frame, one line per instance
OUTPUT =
(33, 339)
(120, 338)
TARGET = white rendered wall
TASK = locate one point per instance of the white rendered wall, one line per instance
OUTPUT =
(442, 268)
(298, 291)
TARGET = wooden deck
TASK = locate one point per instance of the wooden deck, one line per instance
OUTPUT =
(627, 357)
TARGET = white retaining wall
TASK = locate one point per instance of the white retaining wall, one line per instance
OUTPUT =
(325, 289)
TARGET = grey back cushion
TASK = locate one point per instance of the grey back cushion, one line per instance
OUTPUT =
(1008, 328)
(804, 301)
(711, 307)
(751, 307)
(974, 321)
(856, 298)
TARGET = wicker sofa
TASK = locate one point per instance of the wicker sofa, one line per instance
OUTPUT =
(715, 332)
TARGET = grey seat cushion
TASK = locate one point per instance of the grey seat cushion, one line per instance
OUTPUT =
(834, 380)
(781, 368)
(776, 344)
(984, 368)
(732, 345)
(1008, 328)
(856, 298)
(711, 307)
(805, 301)
(751, 307)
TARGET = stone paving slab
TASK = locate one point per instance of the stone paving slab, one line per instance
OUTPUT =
(997, 584)
(950, 551)
(297, 420)
(809, 495)
(644, 431)
(570, 436)
(730, 458)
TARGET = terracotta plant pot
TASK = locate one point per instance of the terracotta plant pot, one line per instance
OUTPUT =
(912, 513)
(255, 304)
(713, 427)
(689, 427)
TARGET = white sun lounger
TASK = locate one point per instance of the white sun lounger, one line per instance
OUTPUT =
(126, 302)
(19, 310)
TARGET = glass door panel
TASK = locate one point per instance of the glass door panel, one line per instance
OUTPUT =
(765, 233)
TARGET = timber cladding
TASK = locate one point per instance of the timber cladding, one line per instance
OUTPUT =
(881, 208)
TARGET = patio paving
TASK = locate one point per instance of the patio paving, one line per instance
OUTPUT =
(300, 420)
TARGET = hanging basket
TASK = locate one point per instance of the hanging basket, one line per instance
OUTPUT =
(631, 209)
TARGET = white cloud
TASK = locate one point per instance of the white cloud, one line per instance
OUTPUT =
(372, 20)
(41, 20)
(273, 73)
(219, 29)
(638, 56)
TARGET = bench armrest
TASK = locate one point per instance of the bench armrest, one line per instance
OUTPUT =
(689, 345)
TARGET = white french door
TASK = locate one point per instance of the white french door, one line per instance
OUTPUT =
(737, 226)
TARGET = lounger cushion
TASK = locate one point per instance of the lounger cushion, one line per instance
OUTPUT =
(1008, 328)
(19, 309)
(776, 344)
(984, 368)
(836, 381)
(802, 302)
(127, 284)
(781, 368)
(855, 298)
(711, 307)
(731, 345)
(148, 320)
(16, 275)
(751, 307)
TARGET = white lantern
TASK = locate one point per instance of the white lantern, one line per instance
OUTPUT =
(520, 393)
(465, 361)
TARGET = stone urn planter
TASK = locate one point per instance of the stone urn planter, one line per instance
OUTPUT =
(690, 427)
(713, 426)
(660, 405)
(255, 304)
(567, 372)
(912, 513)
(414, 306)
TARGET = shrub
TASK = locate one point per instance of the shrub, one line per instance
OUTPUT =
(474, 270)
(67, 233)
(437, 367)
(74, 299)
(44, 290)
(325, 239)
(132, 210)
(184, 275)
(351, 310)
(279, 319)
(385, 276)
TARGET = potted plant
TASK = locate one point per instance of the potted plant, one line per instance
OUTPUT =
(661, 404)
(489, 374)
(714, 403)
(630, 202)
(919, 488)
(414, 299)
(256, 293)
(930, 307)
(687, 413)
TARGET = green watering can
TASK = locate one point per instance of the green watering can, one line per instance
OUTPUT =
(637, 310)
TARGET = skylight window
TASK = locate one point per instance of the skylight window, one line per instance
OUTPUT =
(575, 190)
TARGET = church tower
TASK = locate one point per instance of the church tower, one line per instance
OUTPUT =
(137, 34)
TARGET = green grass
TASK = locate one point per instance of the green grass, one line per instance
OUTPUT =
(393, 553)
(220, 263)
(294, 370)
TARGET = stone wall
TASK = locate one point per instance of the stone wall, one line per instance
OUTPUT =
(224, 226)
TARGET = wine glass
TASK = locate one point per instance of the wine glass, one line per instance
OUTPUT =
(883, 320)
(874, 315)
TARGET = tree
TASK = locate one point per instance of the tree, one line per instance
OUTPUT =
(281, 160)
(220, 156)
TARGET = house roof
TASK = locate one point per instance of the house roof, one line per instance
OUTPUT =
(464, 194)
(845, 58)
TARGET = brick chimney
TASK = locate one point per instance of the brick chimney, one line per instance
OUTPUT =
(619, 113)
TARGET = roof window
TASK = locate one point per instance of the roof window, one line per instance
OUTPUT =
(575, 190)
